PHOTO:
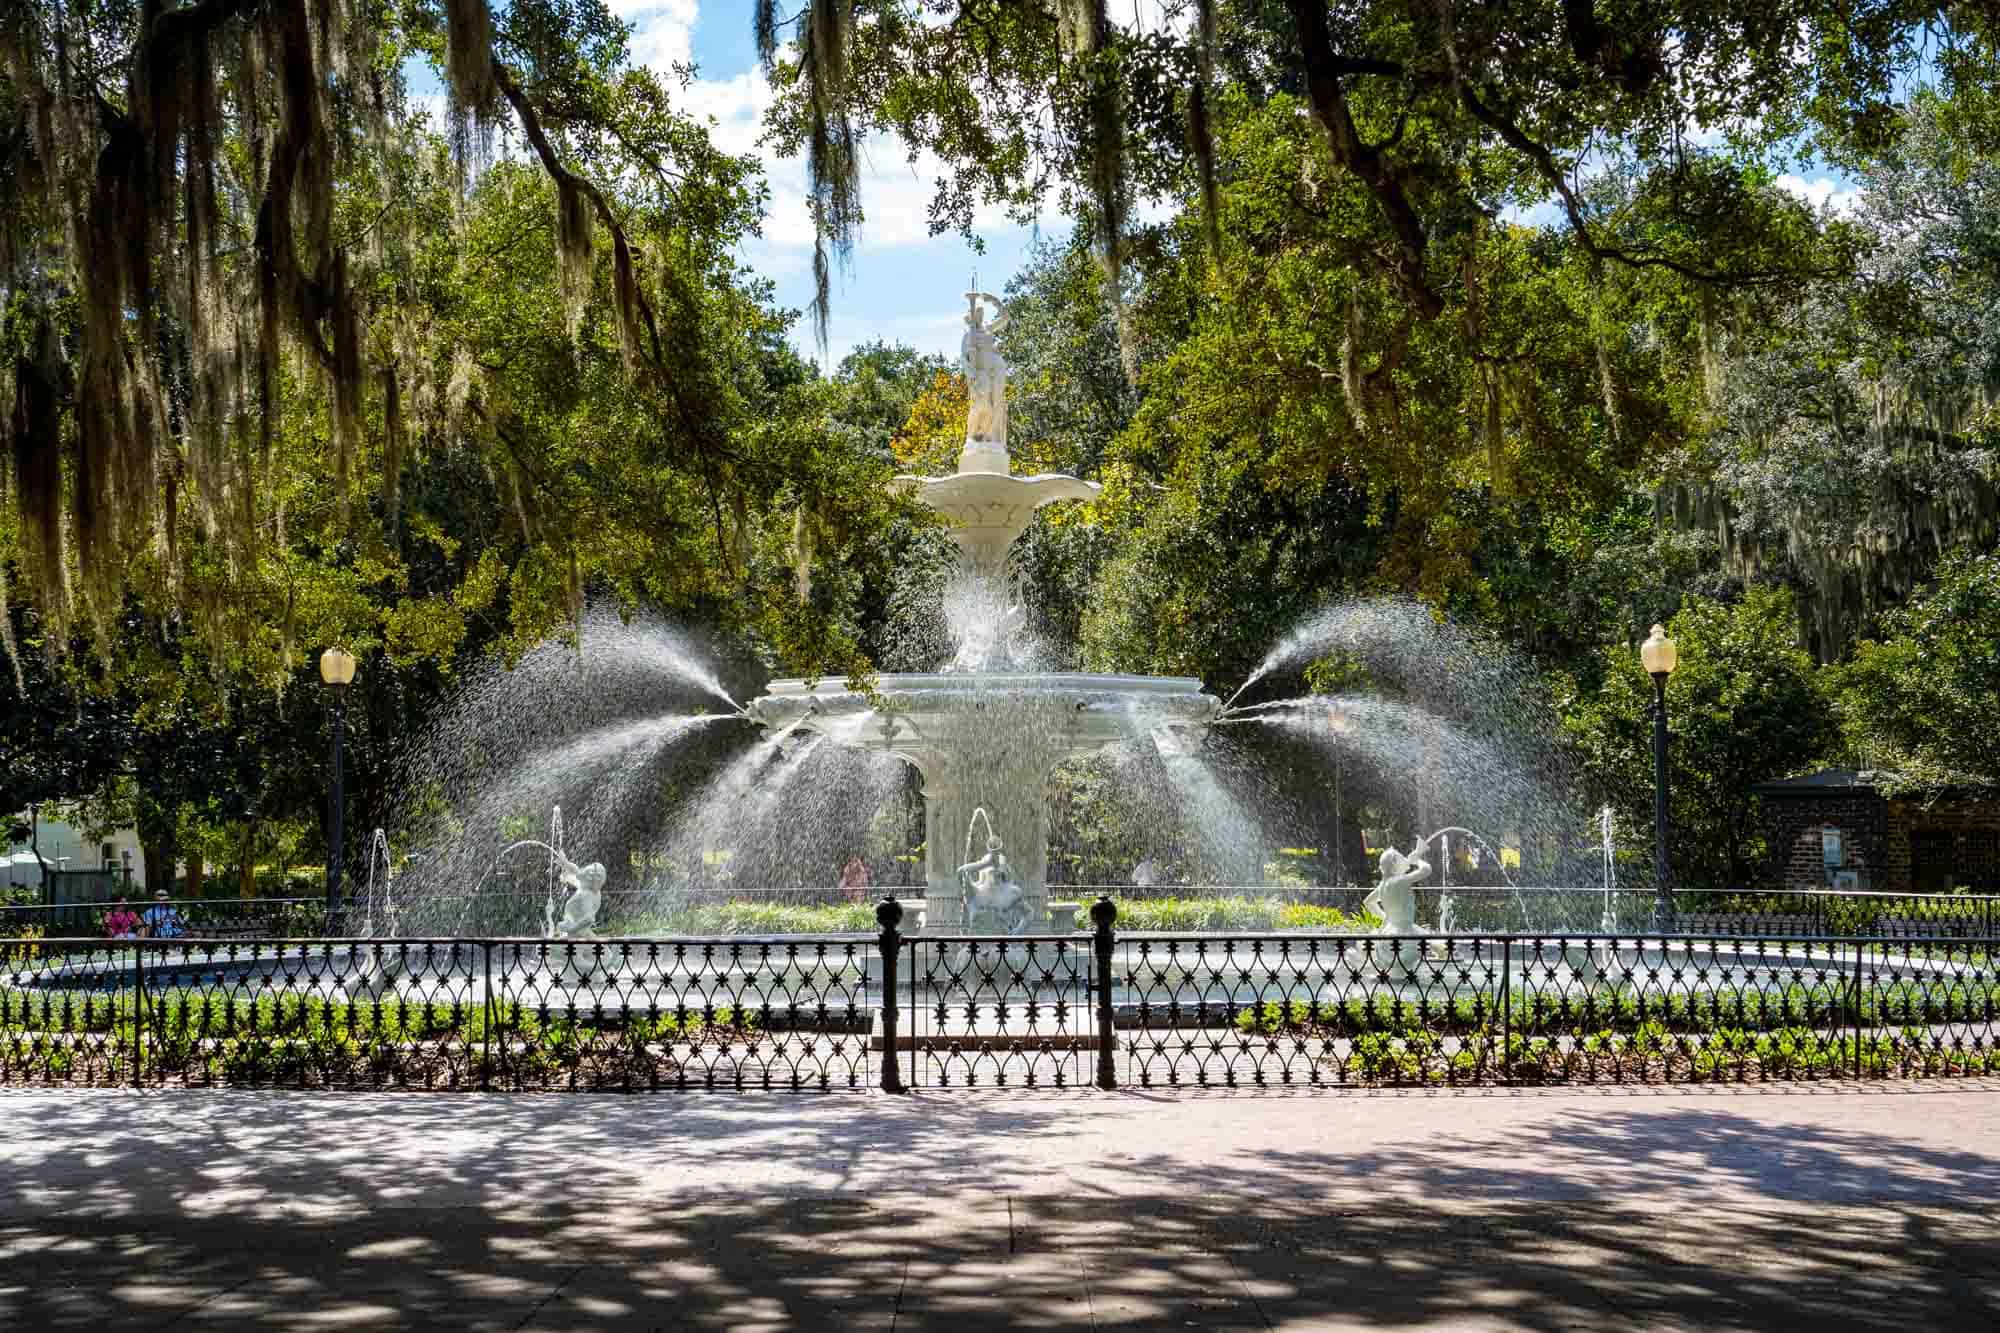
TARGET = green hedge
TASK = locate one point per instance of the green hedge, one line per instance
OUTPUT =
(1191, 914)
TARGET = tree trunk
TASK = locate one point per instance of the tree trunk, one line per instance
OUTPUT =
(197, 874)
(246, 866)
(159, 864)
(159, 840)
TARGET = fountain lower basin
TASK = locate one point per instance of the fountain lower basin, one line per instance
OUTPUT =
(987, 740)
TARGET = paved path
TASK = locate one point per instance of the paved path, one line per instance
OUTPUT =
(1870, 1207)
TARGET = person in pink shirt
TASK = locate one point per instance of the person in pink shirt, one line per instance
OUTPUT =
(121, 922)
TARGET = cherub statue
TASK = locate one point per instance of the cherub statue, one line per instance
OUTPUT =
(1394, 898)
(586, 899)
(992, 894)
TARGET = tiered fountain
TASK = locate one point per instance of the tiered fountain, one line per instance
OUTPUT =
(984, 733)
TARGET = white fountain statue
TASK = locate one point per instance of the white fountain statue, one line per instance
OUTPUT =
(985, 388)
(576, 892)
(993, 898)
(983, 732)
(586, 899)
(1394, 898)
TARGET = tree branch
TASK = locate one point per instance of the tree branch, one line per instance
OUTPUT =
(531, 125)
(1551, 171)
(1384, 179)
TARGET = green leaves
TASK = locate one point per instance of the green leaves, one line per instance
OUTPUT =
(1920, 701)
(1744, 706)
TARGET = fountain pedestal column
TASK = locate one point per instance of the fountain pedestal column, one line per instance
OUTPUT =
(1015, 802)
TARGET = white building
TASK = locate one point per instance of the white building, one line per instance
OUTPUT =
(64, 847)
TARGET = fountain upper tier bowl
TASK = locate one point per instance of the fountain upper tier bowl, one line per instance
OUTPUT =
(920, 715)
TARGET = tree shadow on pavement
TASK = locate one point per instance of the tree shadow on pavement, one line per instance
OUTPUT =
(286, 1211)
(905, 1262)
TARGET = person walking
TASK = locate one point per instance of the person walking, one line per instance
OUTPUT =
(854, 880)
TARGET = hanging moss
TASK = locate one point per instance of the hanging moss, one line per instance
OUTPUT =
(35, 434)
(625, 300)
(474, 95)
(392, 448)
(1350, 364)
(1086, 30)
(7, 641)
(573, 251)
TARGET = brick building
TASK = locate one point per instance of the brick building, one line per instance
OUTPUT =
(1838, 829)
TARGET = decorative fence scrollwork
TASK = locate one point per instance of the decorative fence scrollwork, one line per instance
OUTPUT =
(1103, 1008)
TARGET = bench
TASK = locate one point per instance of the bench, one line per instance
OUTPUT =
(232, 930)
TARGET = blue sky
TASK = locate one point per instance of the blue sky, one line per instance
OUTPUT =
(903, 284)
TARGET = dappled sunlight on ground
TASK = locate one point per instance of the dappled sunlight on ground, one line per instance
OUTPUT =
(1521, 1210)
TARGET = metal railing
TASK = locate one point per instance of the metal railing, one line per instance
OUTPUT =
(1526, 910)
(1105, 1008)
(278, 918)
(1533, 909)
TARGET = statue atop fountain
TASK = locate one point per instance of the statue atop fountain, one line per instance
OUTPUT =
(985, 388)
(990, 505)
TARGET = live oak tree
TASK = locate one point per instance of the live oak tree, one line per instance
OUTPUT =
(287, 364)
(1857, 433)
(1918, 700)
(1432, 114)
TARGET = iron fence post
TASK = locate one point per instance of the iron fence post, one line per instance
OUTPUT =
(486, 1028)
(889, 915)
(138, 1013)
(1506, 1002)
(1859, 946)
(1102, 913)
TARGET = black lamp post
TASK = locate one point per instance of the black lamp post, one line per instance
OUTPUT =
(336, 670)
(1660, 658)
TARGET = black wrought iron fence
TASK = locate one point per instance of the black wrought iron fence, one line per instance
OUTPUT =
(1482, 909)
(1542, 909)
(263, 918)
(1108, 1008)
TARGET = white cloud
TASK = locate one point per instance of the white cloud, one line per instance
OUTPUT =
(894, 245)
(736, 104)
(896, 193)
(662, 30)
(1824, 193)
